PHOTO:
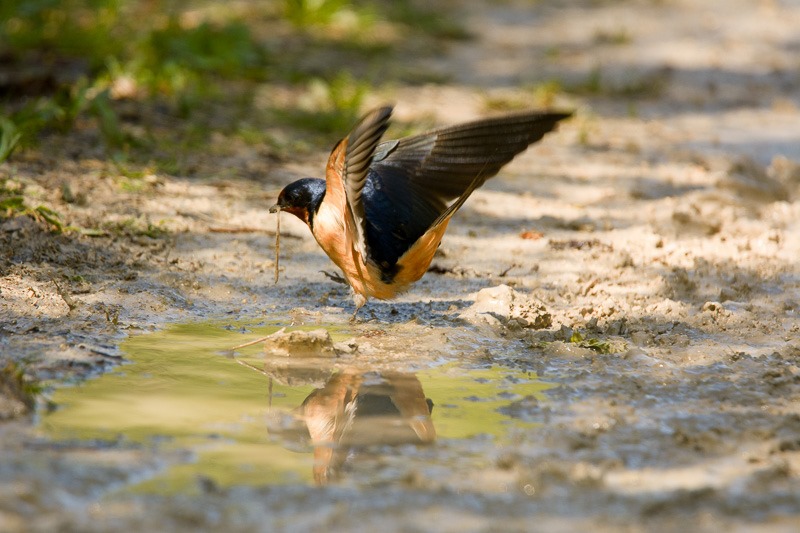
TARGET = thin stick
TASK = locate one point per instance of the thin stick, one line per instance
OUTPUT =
(220, 229)
(252, 367)
(252, 230)
(277, 247)
(245, 345)
(506, 271)
(71, 303)
(262, 339)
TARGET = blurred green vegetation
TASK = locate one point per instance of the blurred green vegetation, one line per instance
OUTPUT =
(14, 203)
(18, 386)
(593, 343)
(152, 80)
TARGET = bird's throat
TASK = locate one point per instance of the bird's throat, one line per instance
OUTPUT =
(299, 212)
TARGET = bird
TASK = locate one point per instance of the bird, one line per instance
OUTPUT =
(384, 206)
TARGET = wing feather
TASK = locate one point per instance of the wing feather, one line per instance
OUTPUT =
(361, 145)
(444, 162)
(417, 183)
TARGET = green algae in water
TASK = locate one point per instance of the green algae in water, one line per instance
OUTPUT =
(467, 400)
(181, 392)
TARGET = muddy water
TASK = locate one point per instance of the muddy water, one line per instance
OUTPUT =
(249, 418)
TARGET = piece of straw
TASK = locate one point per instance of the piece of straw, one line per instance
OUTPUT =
(277, 247)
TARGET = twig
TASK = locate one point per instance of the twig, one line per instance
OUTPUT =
(277, 247)
(262, 339)
(244, 229)
(334, 277)
(506, 271)
(71, 303)
(105, 354)
(222, 229)
(245, 345)
(252, 367)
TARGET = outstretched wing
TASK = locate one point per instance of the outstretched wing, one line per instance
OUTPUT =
(413, 181)
(358, 157)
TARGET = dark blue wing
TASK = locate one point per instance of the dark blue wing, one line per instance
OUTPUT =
(397, 214)
(412, 181)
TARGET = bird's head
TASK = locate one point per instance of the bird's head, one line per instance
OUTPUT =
(301, 198)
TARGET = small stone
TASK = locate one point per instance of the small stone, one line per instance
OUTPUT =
(640, 338)
(712, 307)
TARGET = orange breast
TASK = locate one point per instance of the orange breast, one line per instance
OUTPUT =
(335, 237)
(330, 233)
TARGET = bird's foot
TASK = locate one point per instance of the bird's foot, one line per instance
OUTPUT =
(359, 301)
(334, 277)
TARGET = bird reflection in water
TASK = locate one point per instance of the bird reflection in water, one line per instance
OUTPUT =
(355, 409)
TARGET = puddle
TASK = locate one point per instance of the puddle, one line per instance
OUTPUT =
(251, 420)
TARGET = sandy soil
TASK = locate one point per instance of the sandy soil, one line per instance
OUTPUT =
(664, 220)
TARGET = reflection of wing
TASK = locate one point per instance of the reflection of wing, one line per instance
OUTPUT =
(412, 180)
(409, 398)
(391, 409)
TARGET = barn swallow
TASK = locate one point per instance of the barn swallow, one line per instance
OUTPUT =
(383, 207)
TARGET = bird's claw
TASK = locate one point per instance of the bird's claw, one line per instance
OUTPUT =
(334, 277)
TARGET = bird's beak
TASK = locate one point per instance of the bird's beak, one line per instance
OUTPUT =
(275, 208)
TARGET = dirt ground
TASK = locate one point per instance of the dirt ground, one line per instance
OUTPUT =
(662, 221)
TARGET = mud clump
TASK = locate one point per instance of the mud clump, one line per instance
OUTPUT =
(300, 344)
(750, 180)
(502, 306)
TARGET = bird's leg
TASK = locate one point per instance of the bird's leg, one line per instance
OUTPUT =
(359, 300)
